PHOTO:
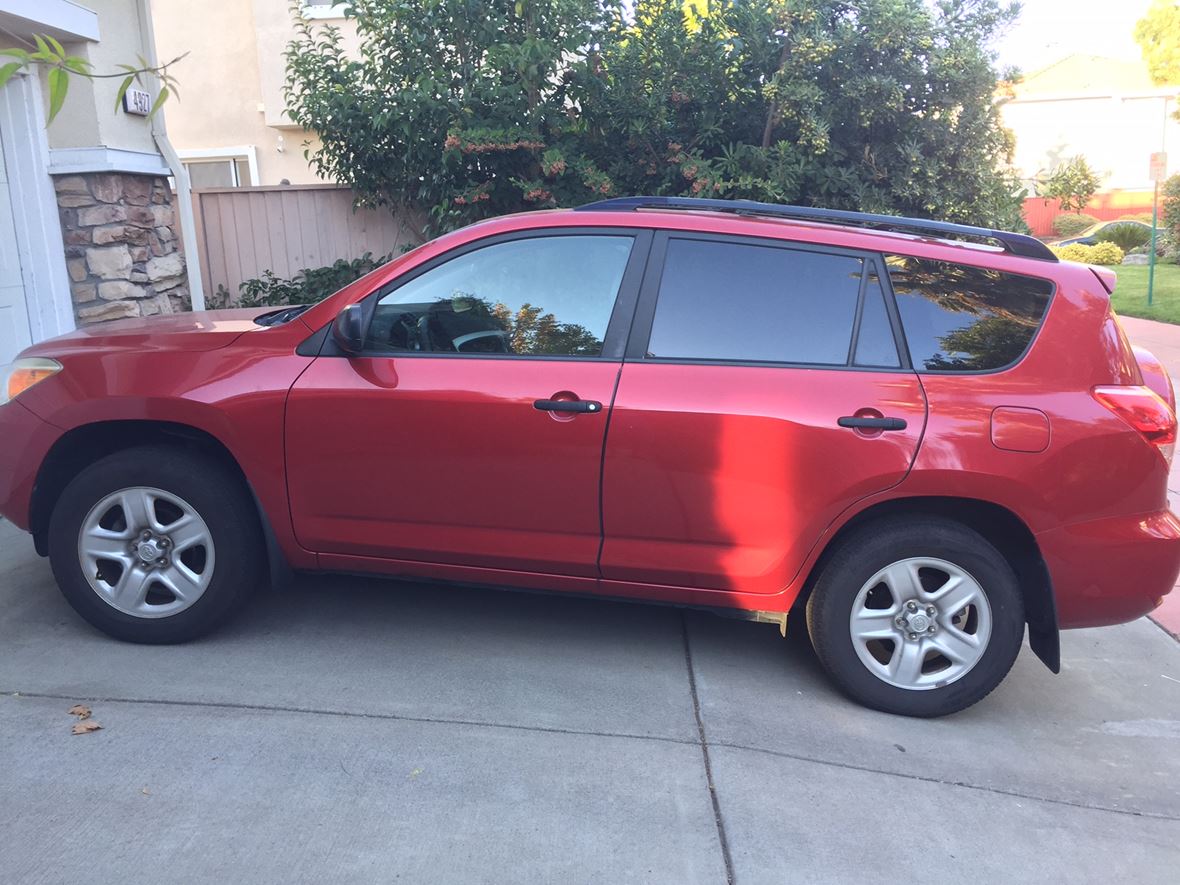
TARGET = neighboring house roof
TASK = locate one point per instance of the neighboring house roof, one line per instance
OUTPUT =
(1093, 75)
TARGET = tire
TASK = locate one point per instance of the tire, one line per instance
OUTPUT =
(214, 563)
(935, 564)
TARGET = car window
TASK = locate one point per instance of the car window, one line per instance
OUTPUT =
(965, 319)
(752, 303)
(875, 346)
(541, 296)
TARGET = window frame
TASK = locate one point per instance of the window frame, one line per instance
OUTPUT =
(645, 312)
(614, 341)
(891, 302)
(231, 155)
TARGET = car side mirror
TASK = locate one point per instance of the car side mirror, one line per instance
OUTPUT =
(348, 330)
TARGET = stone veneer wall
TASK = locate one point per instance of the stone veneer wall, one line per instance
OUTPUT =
(122, 246)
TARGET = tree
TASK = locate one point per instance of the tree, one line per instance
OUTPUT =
(879, 105)
(1158, 35)
(451, 106)
(1073, 183)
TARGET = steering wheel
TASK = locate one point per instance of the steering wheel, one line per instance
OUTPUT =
(500, 336)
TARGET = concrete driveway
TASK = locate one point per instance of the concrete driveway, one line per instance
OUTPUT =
(355, 730)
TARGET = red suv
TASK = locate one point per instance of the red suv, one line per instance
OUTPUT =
(922, 435)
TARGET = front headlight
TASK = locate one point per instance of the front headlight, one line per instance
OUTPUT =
(16, 378)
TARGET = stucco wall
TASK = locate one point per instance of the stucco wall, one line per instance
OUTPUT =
(1116, 135)
(88, 118)
(231, 82)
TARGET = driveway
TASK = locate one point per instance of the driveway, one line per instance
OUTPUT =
(355, 730)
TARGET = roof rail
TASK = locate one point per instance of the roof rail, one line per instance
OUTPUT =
(1016, 244)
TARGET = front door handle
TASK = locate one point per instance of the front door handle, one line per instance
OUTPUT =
(856, 421)
(567, 405)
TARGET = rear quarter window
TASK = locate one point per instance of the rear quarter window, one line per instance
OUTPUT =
(959, 318)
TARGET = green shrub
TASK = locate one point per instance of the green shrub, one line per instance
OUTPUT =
(1100, 253)
(1145, 217)
(1072, 223)
(1170, 203)
(306, 287)
(1125, 236)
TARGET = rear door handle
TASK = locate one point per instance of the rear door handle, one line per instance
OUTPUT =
(872, 423)
(567, 405)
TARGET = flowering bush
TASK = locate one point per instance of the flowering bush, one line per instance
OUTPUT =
(1099, 253)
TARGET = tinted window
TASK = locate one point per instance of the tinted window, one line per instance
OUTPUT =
(729, 301)
(538, 296)
(874, 343)
(966, 319)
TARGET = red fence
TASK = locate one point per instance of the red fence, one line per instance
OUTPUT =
(1039, 213)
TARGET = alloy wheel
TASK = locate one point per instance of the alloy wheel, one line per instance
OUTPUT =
(146, 552)
(920, 623)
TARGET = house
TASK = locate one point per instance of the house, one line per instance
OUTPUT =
(231, 129)
(1107, 110)
(89, 228)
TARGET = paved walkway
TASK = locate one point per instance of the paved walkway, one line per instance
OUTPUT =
(1163, 339)
(359, 731)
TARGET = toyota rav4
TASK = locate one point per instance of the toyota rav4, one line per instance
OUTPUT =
(922, 437)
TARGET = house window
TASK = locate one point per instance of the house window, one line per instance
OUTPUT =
(219, 173)
(221, 167)
(324, 8)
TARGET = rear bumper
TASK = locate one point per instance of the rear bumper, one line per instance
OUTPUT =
(26, 441)
(1113, 570)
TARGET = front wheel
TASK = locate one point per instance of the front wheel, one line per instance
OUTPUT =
(155, 544)
(921, 617)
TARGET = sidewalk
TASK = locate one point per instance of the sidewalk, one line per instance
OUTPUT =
(1162, 339)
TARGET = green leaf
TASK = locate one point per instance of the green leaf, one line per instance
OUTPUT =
(43, 50)
(160, 99)
(15, 53)
(77, 64)
(57, 47)
(59, 82)
(8, 70)
(123, 87)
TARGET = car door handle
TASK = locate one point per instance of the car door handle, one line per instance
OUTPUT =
(567, 405)
(872, 423)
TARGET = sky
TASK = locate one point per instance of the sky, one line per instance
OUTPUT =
(1048, 30)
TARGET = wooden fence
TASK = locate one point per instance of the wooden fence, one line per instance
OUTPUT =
(242, 232)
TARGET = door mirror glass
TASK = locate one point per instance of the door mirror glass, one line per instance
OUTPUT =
(349, 330)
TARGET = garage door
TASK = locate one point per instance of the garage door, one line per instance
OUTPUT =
(14, 317)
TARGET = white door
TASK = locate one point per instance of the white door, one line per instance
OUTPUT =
(14, 315)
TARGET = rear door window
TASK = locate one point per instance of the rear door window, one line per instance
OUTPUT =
(745, 302)
(959, 318)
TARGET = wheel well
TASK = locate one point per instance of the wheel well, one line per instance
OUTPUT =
(1004, 530)
(82, 446)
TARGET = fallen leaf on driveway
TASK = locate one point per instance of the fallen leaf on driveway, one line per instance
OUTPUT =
(80, 710)
(85, 727)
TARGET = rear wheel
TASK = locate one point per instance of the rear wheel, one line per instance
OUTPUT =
(922, 617)
(155, 544)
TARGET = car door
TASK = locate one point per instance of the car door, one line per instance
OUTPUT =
(764, 391)
(470, 431)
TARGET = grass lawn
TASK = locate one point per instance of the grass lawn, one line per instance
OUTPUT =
(1130, 295)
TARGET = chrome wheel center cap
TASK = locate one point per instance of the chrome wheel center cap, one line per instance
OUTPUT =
(149, 550)
(919, 622)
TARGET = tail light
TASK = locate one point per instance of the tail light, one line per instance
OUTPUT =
(1145, 410)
